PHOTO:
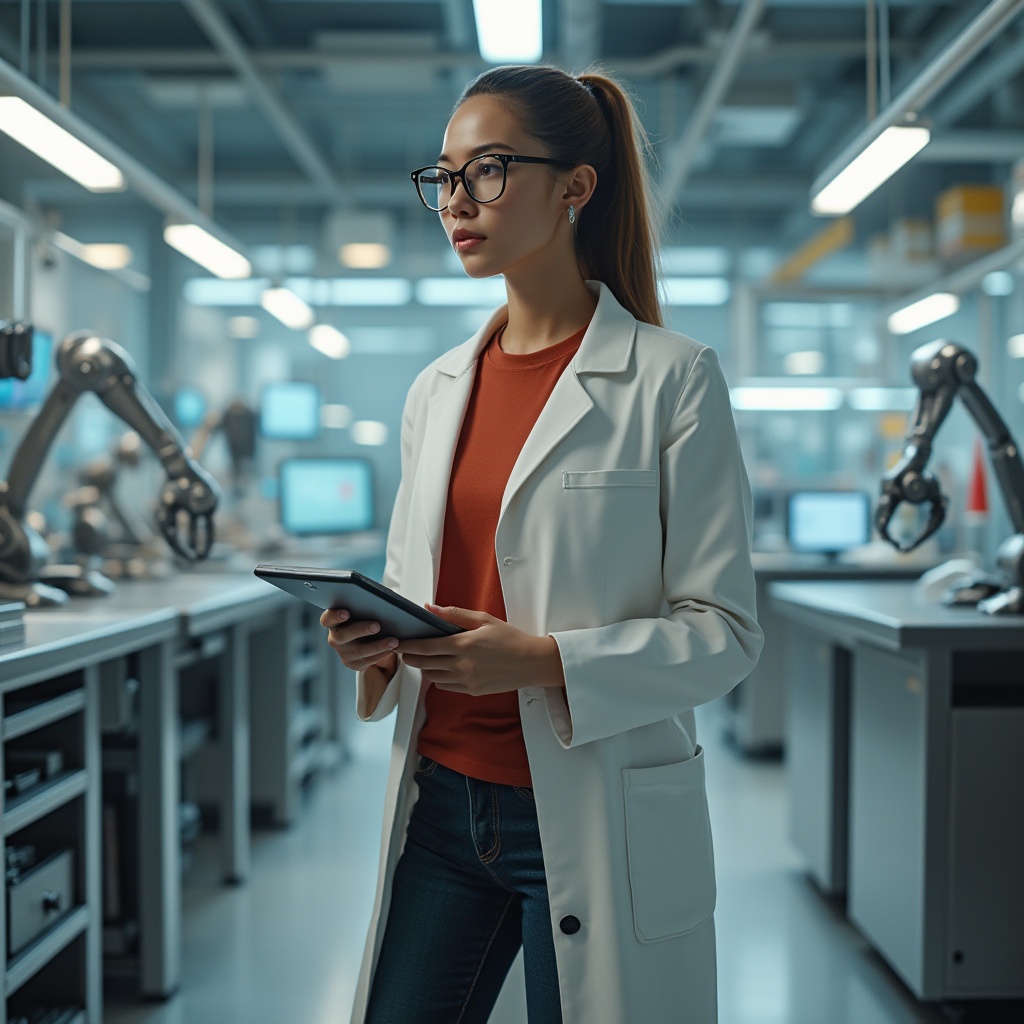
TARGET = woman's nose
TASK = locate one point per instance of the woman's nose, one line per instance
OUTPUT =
(460, 200)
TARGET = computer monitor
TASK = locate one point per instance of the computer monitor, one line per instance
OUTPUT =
(326, 495)
(24, 394)
(189, 407)
(290, 411)
(827, 522)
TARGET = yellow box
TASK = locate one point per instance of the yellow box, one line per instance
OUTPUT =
(970, 219)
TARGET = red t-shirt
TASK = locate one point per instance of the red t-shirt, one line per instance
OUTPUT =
(483, 736)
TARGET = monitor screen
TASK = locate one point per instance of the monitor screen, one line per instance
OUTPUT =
(290, 411)
(23, 394)
(828, 522)
(189, 407)
(326, 495)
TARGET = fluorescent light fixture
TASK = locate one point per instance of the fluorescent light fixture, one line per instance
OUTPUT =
(694, 259)
(782, 399)
(335, 417)
(364, 255)
(509, 31)
(288, 308)
(36, 132)
(330, 341)
(695, 291)
(997, 283)
(107, 255)
(923, 312)
(809, 362)
(1016, 210)
(873, 166)
(203, 248)
(376, 291)
(1015, 346)
(461, 291)
(243, 326)
(871, 399)
(210, 291)
(369, 432)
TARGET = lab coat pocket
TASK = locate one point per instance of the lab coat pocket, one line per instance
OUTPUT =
(609, 478)
(668, 845)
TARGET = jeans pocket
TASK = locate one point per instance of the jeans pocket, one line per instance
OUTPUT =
(526, 793)
(427, 766)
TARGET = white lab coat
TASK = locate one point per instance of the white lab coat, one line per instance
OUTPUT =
(624, 533)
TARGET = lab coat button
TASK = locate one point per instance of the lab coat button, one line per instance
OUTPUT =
(570, 925)
(507, 560)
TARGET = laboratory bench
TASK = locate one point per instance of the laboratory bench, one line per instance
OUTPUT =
(755, 710)
(905, 774)
(176, 682)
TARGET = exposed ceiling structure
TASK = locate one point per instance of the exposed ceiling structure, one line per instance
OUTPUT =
(304, 111)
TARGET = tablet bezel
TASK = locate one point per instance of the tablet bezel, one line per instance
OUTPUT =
(397, 615)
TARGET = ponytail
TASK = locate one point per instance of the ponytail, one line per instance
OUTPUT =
(591, 120)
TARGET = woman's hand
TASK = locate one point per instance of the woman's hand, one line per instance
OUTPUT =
(359, 654)
(490, 657)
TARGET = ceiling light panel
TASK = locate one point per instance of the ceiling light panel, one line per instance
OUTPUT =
(37, 133)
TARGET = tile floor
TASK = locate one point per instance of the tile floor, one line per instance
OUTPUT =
(285, 948)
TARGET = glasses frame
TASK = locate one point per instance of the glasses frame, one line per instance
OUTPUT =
(504, 158)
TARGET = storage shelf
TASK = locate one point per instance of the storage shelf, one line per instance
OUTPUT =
(22, 722)
(194, 733)
(54, 793)
(43, 950)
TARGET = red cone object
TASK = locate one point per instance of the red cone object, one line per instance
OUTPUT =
(977, 492)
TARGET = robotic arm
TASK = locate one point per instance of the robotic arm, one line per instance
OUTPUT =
(942, 371)
(86, 362)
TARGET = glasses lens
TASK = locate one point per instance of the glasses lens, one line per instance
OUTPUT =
(485, 178)
(435, 185)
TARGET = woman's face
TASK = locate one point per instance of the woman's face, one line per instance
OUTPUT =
(493, 238)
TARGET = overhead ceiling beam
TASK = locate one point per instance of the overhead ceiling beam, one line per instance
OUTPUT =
(581, 32)
(979, 83)
(680, 156)
(301, 147)
(974, 147)
(664, 62)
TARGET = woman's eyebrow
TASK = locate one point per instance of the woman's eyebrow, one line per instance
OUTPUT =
(487, 147)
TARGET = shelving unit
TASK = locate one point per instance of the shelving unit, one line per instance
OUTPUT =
(290, 685)
(59, 963)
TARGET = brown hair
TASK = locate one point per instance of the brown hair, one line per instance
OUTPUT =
(590, 120)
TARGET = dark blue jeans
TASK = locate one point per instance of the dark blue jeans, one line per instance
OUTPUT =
(469, 890)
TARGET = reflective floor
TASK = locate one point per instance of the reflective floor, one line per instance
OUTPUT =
(285, 948)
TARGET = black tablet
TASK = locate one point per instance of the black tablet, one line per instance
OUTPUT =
(366, 600)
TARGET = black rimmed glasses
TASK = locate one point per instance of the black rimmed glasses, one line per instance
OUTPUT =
(483, 178)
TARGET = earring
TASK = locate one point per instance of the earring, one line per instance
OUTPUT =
(572, 215)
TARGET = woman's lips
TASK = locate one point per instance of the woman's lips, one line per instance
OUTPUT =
(463, 240)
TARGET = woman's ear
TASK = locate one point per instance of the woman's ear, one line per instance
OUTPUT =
(579, 186)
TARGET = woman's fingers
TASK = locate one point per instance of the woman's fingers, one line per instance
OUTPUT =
(358, 643)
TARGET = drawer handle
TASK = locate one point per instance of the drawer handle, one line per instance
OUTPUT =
(51, 902)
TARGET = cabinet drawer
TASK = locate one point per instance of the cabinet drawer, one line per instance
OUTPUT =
(39, 899)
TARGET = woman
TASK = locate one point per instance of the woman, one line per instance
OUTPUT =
(573, 494)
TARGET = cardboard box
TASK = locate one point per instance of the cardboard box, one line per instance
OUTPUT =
(970, 220)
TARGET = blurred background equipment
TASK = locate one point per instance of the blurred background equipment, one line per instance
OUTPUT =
(944, 371)
(86, 363)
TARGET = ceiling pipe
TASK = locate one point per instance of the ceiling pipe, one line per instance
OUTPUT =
(933, 78)
(139, 178)
(295, 139)
(679, 159)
